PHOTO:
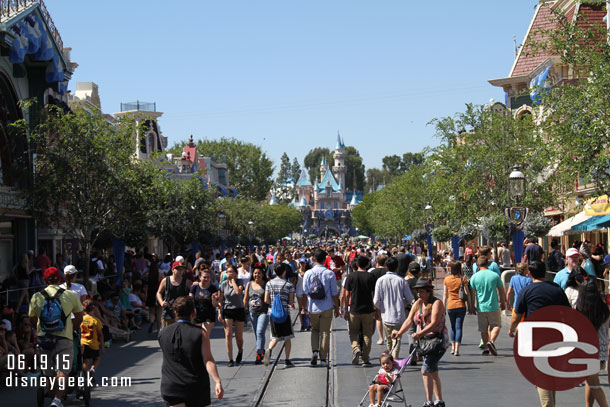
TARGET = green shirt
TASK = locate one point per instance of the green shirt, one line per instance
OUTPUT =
(69, 302)
(486, 282)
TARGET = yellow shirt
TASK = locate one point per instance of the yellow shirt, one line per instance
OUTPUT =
(69, 302)
(89, 330)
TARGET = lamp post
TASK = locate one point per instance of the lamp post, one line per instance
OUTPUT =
(517, 214)
(250, 235)
(428, 226)
(222, 233)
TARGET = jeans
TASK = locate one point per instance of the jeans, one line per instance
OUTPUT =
(456, 316)
(259, 327)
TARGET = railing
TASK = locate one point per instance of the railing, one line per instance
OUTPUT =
(8, 8)
(137, 105)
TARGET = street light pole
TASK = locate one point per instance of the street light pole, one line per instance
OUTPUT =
(251, 232)
(517, 214)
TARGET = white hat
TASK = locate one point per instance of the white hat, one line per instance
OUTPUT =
(572, 252)
(70, 269)
(180, 259)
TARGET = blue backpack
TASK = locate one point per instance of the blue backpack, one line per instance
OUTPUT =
(316, 289)
(52, 317)
(278, 313)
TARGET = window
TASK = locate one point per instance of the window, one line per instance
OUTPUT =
(321, 205)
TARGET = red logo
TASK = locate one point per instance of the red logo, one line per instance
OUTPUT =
(556, 348)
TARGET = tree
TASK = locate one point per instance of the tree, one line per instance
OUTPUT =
(86, 180)
(313, 159)
(285, 170)
(250, 170)
(182, 211)
(354, 176)
(295, 170)
(409, 159)
(392, 165)
(374, 178)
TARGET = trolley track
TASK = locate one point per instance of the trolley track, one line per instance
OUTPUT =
(268, 378)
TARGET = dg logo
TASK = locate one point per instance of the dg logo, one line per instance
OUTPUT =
(556, 348)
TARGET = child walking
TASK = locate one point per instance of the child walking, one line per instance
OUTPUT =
(91, 338)
(384, 379)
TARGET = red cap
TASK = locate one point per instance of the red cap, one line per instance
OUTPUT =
(51, 272)
(177, 264)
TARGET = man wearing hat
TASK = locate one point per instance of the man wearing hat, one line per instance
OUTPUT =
(171, 287)
(56, 343)
(572, 260)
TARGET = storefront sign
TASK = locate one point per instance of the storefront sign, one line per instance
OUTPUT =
(597, 206)
(11, 200)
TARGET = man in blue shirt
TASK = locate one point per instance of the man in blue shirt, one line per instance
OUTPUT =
(572, 260)
(321, 310)
(493, 266)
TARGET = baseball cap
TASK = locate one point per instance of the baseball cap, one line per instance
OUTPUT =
(180, 259)
(51, 272)
(606, 260)
(177, 264)
(572, 252)
(303, 260)
(70, 269)
(414, 268)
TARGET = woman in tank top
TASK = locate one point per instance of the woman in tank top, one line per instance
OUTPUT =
(254, 300)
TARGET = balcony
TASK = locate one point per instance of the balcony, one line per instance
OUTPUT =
(138, 106)
(11, 8)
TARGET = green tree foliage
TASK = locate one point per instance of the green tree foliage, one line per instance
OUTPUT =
(409, 159)
(313, 159)
(354, 175)
(295, 170)
(250, 170)
(181, 211)
(361, 214)
(537, 225)
(391, 165)
(374, 178)
(285, 170)
(86, 180)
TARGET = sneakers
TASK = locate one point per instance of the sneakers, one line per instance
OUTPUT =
(492, 348)
(323, 362)
(108, 343)
(428, 404)
(231, 363)
(356, 358)
(481, 344)
(366, 364)
(314, 358)
(259, 358)
(288, 363)
(457, 353)
(56, 403)
(485, 352)
(267, 357)
(452, 352)
(439, 403)
(380, 341)
(240, 354)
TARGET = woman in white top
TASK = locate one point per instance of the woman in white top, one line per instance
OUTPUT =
(70, 272)
(243, 272)
(575, 279)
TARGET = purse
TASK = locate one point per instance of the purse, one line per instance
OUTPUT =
(462, 293)
(430, 344)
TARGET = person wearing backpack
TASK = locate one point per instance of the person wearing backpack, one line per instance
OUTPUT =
(279, 294)
(555, 261)
(320, 284)
(50, 311)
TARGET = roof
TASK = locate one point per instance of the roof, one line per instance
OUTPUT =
(303, 202)
(340, 144)
(565, 227)
(525, 62)
(304, 179)
(354, 200)
(328, 180)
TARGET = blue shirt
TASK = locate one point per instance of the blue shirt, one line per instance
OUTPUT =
(328, 280)
(561, 278)
(518, 283)
(493, 266)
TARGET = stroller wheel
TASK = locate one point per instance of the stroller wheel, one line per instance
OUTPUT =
(40, 396)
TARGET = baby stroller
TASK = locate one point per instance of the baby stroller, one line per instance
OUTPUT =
(396, 392)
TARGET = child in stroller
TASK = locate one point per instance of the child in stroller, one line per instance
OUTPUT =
(383, 381)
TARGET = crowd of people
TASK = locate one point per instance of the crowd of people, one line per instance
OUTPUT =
(376, 289)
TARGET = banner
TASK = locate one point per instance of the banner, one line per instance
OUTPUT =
(597, 206)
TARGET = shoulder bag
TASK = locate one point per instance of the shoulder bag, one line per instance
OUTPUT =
(432, 343)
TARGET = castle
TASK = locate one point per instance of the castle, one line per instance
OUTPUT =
(326, 205)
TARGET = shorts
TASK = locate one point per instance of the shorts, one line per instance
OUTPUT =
(430, 363)
(282, 331)
(236, 314)
(489, 320)
(59, 358)
(205, 316)
(194, 400)
(90, 353)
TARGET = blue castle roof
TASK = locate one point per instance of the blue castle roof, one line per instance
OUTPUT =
(304, 179)
(328, 180)
(340, 144)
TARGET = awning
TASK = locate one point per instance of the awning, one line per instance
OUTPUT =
(566, 226)
(223, 190)
(594, 223)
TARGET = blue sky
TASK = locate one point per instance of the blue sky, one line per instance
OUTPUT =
(287, 75)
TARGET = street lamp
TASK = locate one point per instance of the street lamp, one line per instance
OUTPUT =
(428, 227)
(222, 221)
(251, 232)
(516, 184)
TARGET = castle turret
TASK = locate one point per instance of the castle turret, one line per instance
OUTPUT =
(323, 167)
(339, 156)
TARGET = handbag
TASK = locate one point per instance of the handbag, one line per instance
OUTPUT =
(462, 293)
(430, 344)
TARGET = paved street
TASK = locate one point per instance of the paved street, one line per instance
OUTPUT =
(468, 380)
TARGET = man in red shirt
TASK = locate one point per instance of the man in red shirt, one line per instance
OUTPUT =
(336, 264)
(42, 261)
